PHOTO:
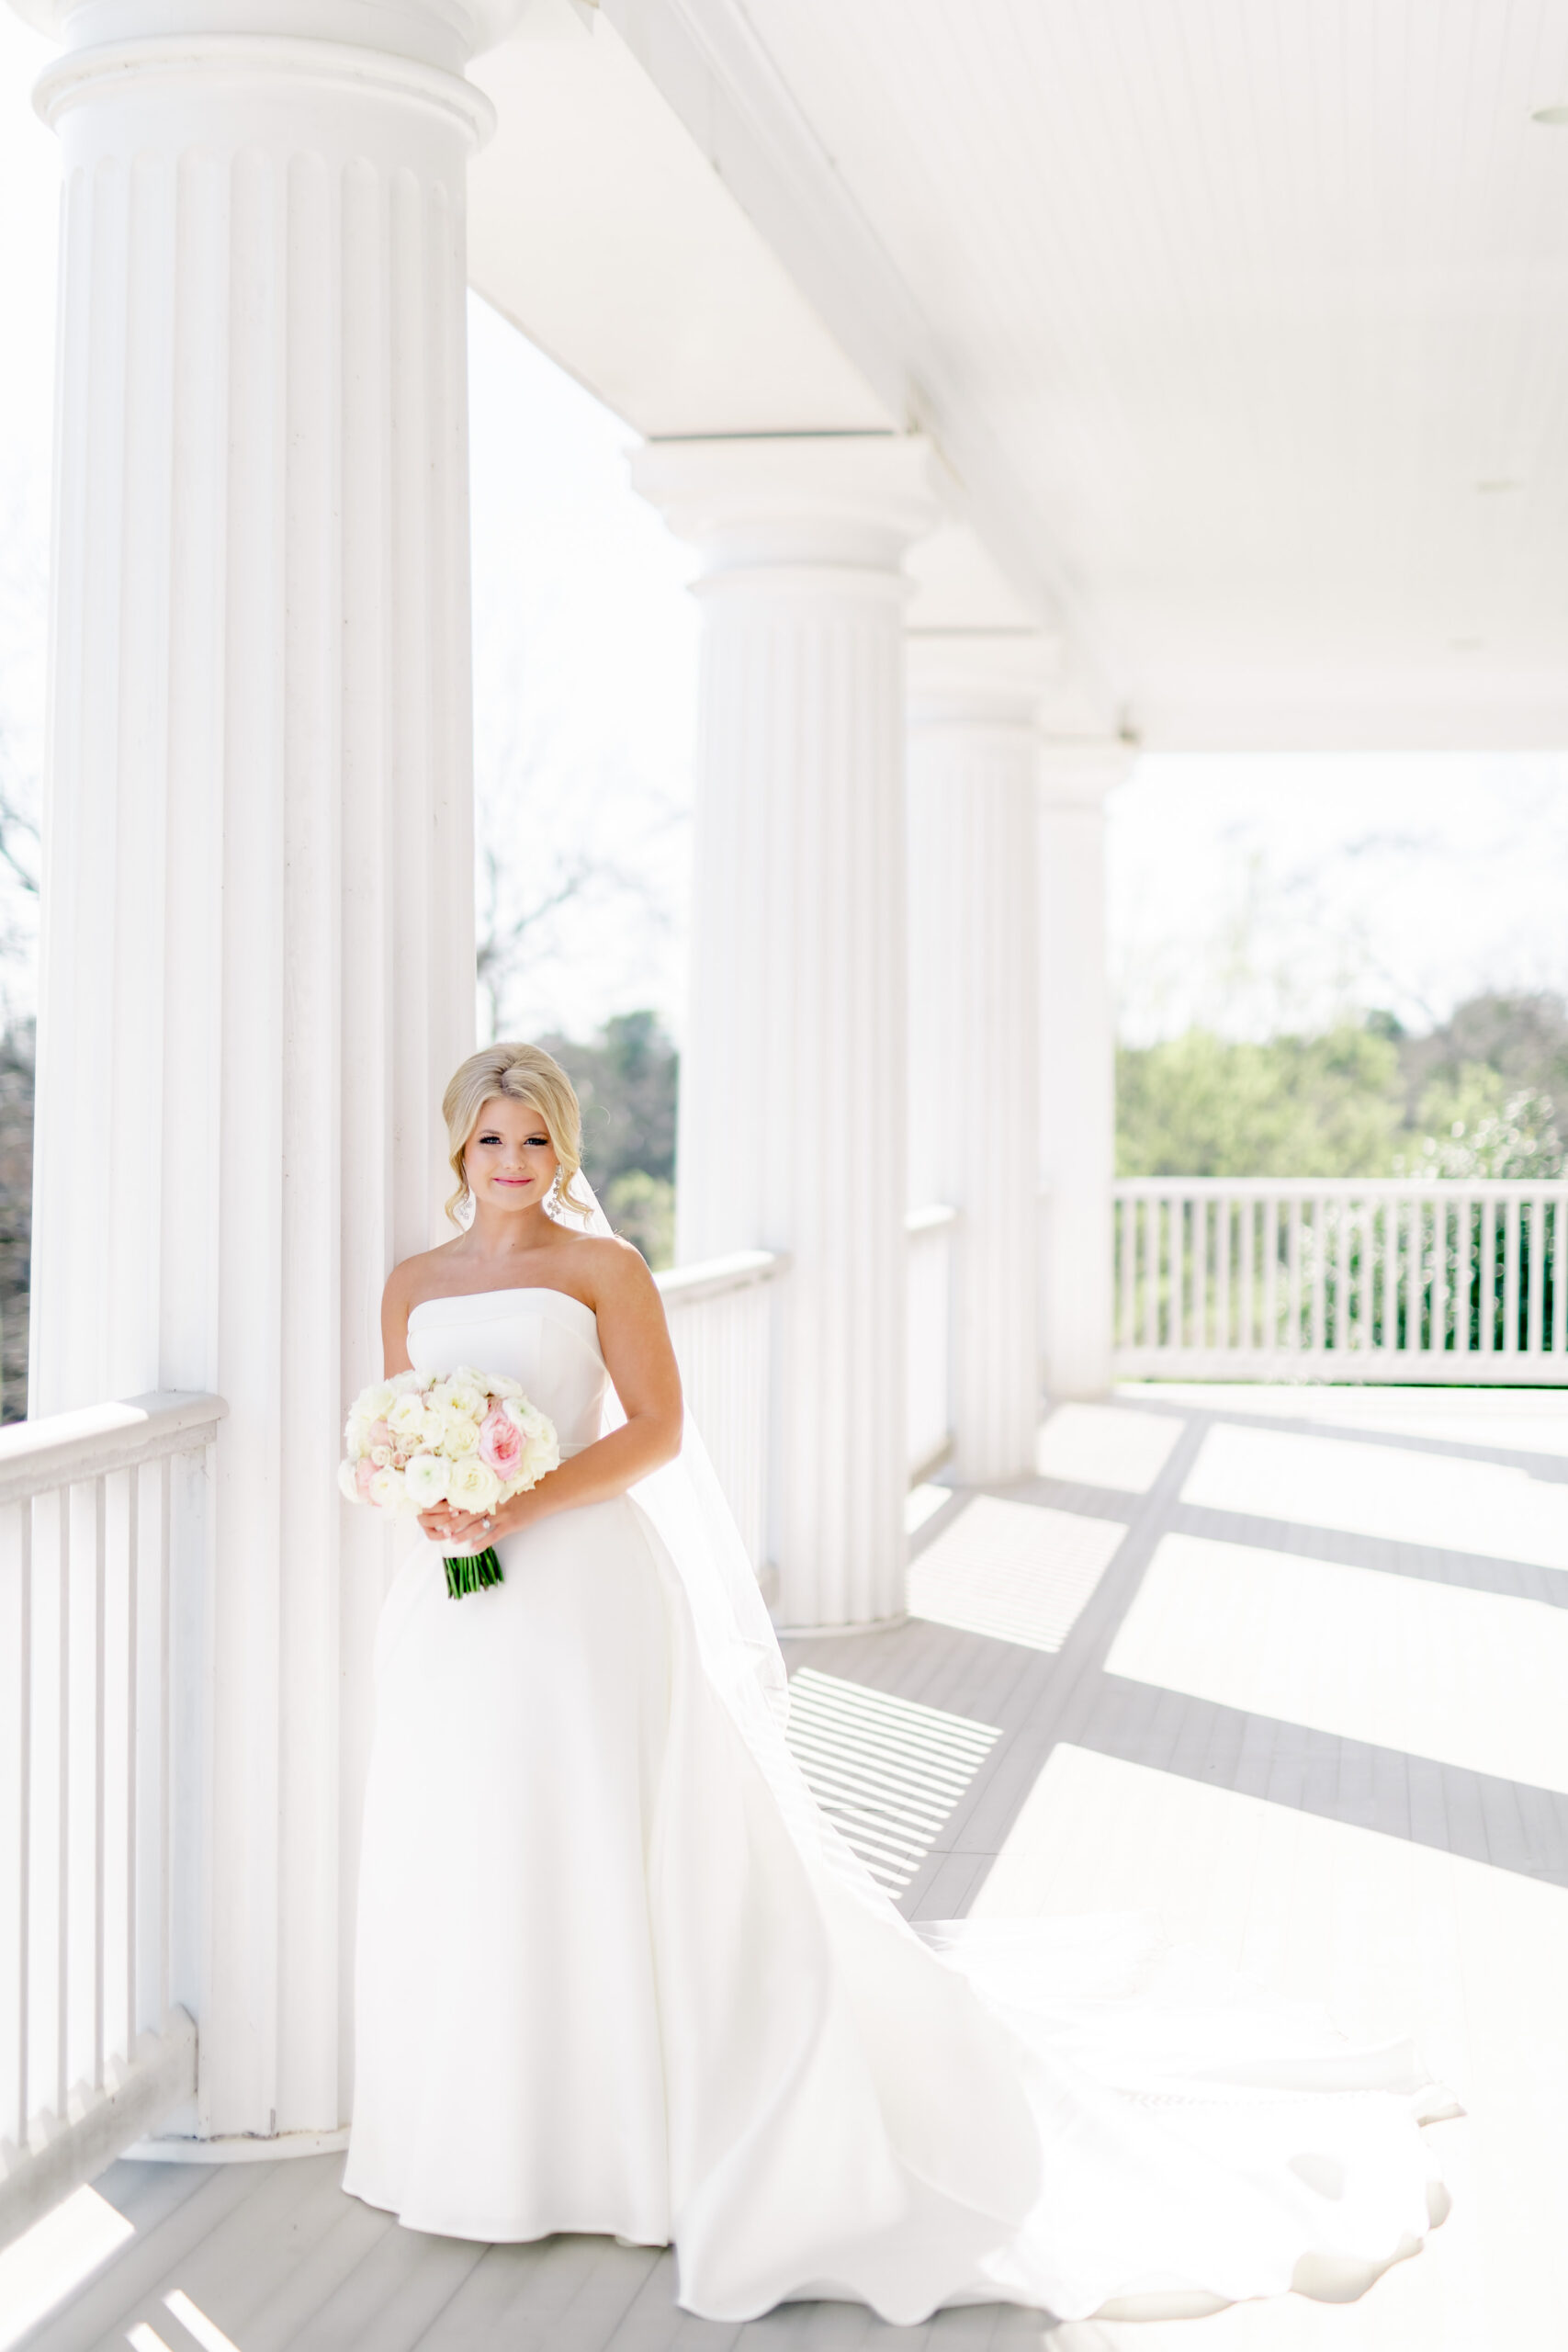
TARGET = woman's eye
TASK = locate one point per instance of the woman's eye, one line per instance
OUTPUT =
(489, 1139)
(538, 1142)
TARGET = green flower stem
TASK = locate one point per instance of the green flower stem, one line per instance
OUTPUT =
(473, 1573)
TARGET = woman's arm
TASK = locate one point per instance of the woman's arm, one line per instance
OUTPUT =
(634, 1340)
(394, 1321)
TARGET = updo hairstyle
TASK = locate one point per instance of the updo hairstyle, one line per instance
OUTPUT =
(523, 1074)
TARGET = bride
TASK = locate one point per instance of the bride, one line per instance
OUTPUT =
(618, 1975)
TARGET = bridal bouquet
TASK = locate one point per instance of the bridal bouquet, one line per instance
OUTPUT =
(467, 1437)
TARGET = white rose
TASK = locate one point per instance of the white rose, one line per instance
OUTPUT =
(500, 1386)
(348, 1484)
(401, 1382)
(466, 1397)
(473, 1485)
(460, 1437)
(388, 1490)
(425, 1481)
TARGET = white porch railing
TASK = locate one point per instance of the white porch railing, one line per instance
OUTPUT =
(98, 1510)
(1346, 1279)
(721, 1323)
(92, 2053)
(929, 1337)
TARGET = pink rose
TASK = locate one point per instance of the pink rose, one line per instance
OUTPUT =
(363, 1472)
(380, 1435)
(500, 1443)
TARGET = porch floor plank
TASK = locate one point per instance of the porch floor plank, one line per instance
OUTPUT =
(1401, 1887)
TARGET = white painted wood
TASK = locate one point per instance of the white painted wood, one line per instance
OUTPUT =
(259, 950)
(792, 1075)
(928, 1380)
(91, 2052)
(1014, 1572)
(973, 1061)
(1076, 1068)
(1381, 1278)
(1411, 1894)
(99, 2121)
(1286, 454)
(722, 1317)
(1403, 1663)
(66, 1449)
(1395, 1938)
(1104, 1445)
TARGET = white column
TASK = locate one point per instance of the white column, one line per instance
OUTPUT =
(974, 1097)
(1078, 1079)
(793, 1077)
(258, 952)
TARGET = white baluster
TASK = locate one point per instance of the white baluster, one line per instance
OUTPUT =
(1510, 1333)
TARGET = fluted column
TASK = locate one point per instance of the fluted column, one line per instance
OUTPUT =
(1078, 1080)
(974, 1117)
(792, 1077)
(257, 968)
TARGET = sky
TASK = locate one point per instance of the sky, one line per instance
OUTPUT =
(1250, 894)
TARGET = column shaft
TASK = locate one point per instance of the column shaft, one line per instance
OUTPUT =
(792, 1075)
(1077, 1100)
(257, 962)
(973, 1123)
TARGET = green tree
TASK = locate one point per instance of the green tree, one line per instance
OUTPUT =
(626, 1080)
(1474, 1122)
(1202, 1105)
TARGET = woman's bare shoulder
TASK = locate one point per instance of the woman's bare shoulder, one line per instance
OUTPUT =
(421, 1276)
(609, 1268)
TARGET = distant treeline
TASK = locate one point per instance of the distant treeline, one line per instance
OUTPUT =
(1484, 1093)
(626, 1080)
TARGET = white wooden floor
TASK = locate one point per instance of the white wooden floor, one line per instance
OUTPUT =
(1289, 1666)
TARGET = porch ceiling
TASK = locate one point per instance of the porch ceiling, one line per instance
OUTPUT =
(1244, 323)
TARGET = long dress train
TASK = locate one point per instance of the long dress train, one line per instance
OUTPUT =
(610, 1980)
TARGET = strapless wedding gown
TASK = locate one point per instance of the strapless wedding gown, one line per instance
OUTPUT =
(606, 1984)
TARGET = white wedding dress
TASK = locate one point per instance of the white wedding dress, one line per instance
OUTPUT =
(617, 1974)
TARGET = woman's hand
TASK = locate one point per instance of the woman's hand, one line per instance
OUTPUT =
(464, 1529)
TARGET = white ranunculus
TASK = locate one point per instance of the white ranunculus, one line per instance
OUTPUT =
(459, 1436)
(347, 1481)
(500, 1386)
(388, 1490)
(425, 1481)
(401, 1382)
(407, 1416)
(472, 1485)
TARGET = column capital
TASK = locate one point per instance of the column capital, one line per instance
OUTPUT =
(440, 33)
(961, 678)
(850, 500)
(1078, 771)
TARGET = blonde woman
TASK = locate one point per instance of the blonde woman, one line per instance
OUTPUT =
(617, 1974)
